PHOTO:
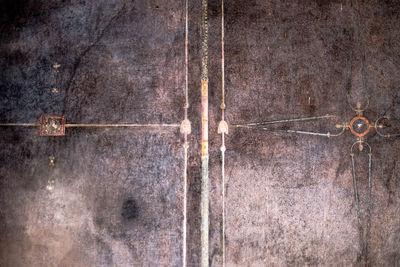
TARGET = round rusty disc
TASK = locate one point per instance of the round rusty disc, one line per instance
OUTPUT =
(363, 133)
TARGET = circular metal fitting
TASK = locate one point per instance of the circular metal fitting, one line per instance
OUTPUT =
(359, 126)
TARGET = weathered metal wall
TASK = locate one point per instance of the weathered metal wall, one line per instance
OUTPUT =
(117, 197)
(290, 198)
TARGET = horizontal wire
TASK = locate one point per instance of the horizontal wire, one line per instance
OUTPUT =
(21, 124)
(295, 131)
(72, 125)
(308, 133)
(285, 120)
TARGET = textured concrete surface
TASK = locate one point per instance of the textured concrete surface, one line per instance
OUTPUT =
(116, 197)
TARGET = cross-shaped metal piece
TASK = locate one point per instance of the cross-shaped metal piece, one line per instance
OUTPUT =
(359, 126)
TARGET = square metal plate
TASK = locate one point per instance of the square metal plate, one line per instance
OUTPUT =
(52, 125)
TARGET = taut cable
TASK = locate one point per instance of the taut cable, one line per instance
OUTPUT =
(223, 129)
(286, 120)
(95, 125)
(364, 241)
(185, 130)
(357, 200)
(20, 124)
(137, 125)
(369, 208)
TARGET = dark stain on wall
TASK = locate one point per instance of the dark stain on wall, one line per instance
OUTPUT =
(130, 210)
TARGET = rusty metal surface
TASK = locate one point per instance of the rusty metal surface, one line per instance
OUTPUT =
(289, 198)
(113, 197)
(52, 125)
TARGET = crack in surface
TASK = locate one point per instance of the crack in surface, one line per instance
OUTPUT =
(78, 61)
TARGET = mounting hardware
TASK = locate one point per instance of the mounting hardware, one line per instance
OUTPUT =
(52, 125)
(223, 127)
(186, 127)
(359, 126)
(52, 160)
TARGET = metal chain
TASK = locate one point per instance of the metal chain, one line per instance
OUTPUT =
(204, 40)
(223, 58)
(204, 139)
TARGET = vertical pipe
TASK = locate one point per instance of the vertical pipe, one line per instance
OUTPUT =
(185, 147)
(223, 127)
(355, 188)
(204, 136)
(369, 209)
(223, 149)
(185, 129)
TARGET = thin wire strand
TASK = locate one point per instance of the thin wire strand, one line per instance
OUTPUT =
(20, 124)
(364, 243)
(72, 125)
(97, 125)
(185, 145)
(296, 131)
(223, 148)
(357, 201)
(369, 208)
(307, 133)
(186, 57)
(223, 57)
(223, 199)
(285, 120)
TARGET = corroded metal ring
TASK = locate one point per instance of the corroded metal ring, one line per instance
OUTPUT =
(362, 133)
(358, 109)
(361, 145)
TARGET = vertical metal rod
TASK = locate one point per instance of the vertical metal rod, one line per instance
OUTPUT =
(357, 203)
(185, 147)
(186, 57)
(369, 208)
(204, 137)
(222, 56)
(186, 130)
(223, 148)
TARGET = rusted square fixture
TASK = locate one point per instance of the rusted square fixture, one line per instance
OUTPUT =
(52, 125)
